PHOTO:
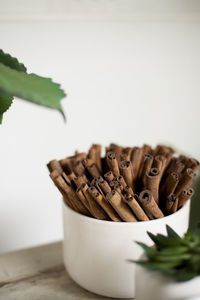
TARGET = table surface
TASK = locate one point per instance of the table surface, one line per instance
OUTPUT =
(38, 273)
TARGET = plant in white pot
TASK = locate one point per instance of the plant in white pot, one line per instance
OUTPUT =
(170, 269)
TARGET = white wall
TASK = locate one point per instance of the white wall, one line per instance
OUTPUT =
(131, 70)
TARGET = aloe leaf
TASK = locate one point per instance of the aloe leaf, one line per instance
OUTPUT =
(5, 103)
(152, 265)
(173, 250)
(171, 233)
(163, 241)
(178, 258)
(31, 87)
(150, 252)
(11, 62)
(185, 275)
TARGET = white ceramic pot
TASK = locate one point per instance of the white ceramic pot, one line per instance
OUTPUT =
(96, 252)
(153, 285)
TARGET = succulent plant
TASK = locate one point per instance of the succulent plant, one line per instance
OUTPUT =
(172, 255)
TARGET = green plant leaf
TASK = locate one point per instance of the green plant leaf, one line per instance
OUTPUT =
(12, 62)
(150, 252)
(171, 258)
(5, 103)
(31, 87)
(174, 256)
(173, 251)
(157, 265)
(171, 233)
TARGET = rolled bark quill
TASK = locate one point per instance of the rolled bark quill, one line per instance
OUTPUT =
(78, 168)
(64, 189)
(169, 186)
(185, 181)
(95, 209)
(175, 166)
(117, 150)
(83, 199)
(129, 190)
(171, 199)
(160, 163)
(112, 163)
(66, 165)
(109, 176)
(146, 164)
(126, 153)
(152, 181)
(95, 155)
(136, 208)
(104, 204)
(93, 170)
(121, 208)
(121, 180)
(193, 164)
(127, 172)
(78, 157)
(147, 149)
(79, 180)
(184, 196)
(71, 195)
(171, 203)
(54, 165)
(104, 186)
(136, 158)
(149, 205)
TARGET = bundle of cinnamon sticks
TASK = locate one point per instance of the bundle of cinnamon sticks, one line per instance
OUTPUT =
(127, 184)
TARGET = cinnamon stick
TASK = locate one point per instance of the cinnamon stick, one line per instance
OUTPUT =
(104, 186)
(54, 165)
(160, 163)
(109, 176)
(104, 204)
(146, 164)
(136, 208)
(185, 195)
(112, 163)
(83, 199)
(121, 208)
(95, 209)
(78, 168)
(127, 172)
(169, 186)
(93, 170)
(95, 155)
(121, 180)
(136, 158)
(66, 165)
(185, 181)
(129, 190)
(149, 205)
(117, 150)
(171, 200)
(151, 183)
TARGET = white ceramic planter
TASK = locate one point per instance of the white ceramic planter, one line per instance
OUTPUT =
(96, 252)
(153, 285)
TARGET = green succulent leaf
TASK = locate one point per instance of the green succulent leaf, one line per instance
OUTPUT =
(150, 252)
(5, 103)
(172, 255)
(171, 258)
(31, 87)
(173, 250)
(171, 233)
(12, 62)
(152, 265)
